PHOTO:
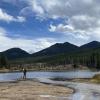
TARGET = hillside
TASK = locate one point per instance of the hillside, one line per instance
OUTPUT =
(58, 48)
(90, 45)
(59, 54)
(15, 53)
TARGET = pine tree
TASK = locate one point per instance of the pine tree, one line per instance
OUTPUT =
(3, 60)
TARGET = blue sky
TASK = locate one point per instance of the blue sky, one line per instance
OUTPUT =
(36, 24)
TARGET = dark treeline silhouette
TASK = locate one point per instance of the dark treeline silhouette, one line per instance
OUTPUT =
(3, 61)
(56, 56)
(90, 59)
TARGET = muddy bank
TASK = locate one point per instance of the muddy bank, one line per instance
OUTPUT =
(32, 90)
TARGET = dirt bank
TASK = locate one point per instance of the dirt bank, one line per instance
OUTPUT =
(32, 90)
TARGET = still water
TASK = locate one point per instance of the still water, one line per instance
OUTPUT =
(68, 75)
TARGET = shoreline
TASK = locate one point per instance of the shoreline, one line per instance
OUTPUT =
(32, 90)
(13, 71)
(68, 67)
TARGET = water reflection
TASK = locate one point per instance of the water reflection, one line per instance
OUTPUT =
(77, 96)
(68, 75)
(84, 96)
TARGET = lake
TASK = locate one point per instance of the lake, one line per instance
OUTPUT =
(67, 74)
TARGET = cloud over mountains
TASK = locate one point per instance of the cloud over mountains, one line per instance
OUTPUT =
(81, 18)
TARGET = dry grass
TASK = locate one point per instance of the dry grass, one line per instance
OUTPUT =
(30, 90)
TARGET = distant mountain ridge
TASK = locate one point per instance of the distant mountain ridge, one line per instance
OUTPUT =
(56, 49)
(60, 48)
(91, 45)
(15, 53)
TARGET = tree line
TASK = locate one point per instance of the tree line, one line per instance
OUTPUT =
(3, 61)
(90, 59)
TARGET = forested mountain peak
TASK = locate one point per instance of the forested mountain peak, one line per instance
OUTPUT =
(14, 53)
(57, 48)
(91, 45)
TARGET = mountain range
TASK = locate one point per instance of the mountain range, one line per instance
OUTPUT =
(56, 49)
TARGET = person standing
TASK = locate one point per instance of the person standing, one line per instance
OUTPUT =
(24, 73)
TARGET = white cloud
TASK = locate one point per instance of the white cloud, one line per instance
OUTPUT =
(69, 30)
(19, 19)
(83, 16)
(26, 44)
(8, 18)
(52, 28)
(61, 28)
(36, 7)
